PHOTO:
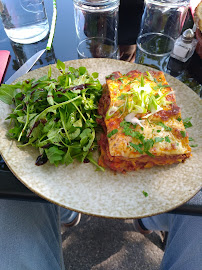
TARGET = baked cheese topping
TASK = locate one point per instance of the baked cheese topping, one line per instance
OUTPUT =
(141, 118)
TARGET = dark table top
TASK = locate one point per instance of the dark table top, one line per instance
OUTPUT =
(64, 48)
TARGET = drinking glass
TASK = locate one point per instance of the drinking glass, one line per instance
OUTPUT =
(24, 21)
(161, 25)
(96, 23)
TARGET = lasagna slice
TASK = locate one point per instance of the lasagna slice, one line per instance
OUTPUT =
(141, 121)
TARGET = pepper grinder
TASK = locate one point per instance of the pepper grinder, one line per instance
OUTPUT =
(184, 46)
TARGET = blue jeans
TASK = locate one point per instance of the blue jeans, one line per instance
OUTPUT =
(30, 237)
(184, 244)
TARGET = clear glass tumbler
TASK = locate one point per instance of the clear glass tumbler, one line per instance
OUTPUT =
(24, 21)
(96, 23)
(161, 25)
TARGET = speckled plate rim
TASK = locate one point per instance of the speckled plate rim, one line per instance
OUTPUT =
(80, 188)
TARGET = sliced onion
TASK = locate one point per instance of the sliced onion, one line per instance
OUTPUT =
(149, 114)
(133, 120)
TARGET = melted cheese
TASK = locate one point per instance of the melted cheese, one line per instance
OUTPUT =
(173, 143)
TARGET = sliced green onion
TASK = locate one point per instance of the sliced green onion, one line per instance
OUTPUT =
(112, 111)
(52, 31)
(149, 76)
(142, 81)
(152, 106)
(139, 109)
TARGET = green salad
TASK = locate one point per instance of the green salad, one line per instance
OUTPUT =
(57, 116)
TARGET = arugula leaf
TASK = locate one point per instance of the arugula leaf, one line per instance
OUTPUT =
(49, 72)
(74, 134)
(90, 142)
(54, 154)
(82, 71)
(7, 93)
(91, 159)
(61, 66)
(56, 115)
(95, 75)
(85, 135)
(13, 133)
(67, 159)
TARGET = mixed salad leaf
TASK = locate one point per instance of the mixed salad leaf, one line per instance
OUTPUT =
(57, 116)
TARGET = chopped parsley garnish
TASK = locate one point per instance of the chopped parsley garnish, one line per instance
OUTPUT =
(155, 80)
(183, 133)
(131, 132)
(179, 119)
(137, 147)
(110, 134)
(120, 79)
(194, 145)
(145, 193)
(146, 145)
(125, 125)
(187, 122)
(167, 139)
(160, 85)
(148, 121)
(191, 139)
(158, 139)
(164, 126)
(158, 130)
(149, 154)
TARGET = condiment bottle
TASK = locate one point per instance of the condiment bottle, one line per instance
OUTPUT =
(184, 46)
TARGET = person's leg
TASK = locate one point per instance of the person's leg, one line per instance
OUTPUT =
(158, 223)
(30, 236)
(69, 218)
(184, 244)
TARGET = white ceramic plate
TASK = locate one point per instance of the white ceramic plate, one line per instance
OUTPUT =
(81, 188)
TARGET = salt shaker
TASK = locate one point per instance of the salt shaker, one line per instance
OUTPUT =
(184, 46)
